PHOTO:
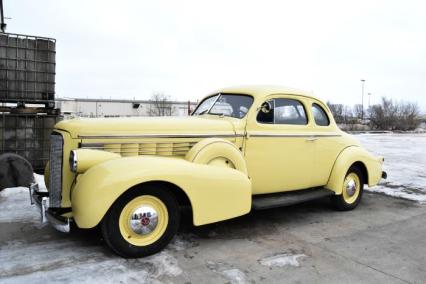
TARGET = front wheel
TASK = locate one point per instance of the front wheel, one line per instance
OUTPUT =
(141, 222)
(352, 190)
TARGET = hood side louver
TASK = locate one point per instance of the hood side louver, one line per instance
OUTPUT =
(146, 148)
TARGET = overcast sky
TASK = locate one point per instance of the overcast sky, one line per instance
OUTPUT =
(126, 49)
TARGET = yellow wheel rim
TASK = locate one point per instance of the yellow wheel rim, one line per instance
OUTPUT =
(143, 220)
(351, 188)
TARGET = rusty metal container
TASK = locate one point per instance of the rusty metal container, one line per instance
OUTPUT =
(27, 135)
(27, 69)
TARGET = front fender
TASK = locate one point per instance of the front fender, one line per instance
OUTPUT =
(208, 149)
(346, 159)
(215, 193)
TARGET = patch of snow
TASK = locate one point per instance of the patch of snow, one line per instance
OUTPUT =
(401, 191)
(405, 164)
(281, 260)
(15, 206)
(182, 242)
(228, 271)
(109, 271)
(70, 262)
(165, 264)
(40, 180)
(235, 276)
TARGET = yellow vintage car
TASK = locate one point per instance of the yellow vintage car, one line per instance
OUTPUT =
(242, 149)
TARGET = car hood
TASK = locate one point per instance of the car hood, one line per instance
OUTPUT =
(130, 126)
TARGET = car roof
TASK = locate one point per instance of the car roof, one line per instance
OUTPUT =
(259, 91)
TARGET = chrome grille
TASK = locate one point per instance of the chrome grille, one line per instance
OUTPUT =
(55, 177)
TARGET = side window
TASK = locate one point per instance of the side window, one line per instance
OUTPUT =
(282, 111)
(320, 115)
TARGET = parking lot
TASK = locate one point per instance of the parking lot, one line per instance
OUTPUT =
(383, 240)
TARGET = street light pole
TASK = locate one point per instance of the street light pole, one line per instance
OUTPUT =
(369, 96)
(362, 99)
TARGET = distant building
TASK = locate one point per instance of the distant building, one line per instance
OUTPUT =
(116, 108)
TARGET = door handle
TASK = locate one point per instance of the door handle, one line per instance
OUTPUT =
(311, 139)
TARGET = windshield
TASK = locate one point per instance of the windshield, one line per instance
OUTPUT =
(225, 104)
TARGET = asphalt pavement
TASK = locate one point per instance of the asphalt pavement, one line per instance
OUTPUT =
(382, 241)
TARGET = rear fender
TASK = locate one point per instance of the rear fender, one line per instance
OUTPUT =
(346, 159)
(215, 193)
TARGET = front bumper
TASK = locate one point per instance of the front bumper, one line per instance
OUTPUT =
(41, 200)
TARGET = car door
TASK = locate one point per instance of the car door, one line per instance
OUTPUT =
(279, 150)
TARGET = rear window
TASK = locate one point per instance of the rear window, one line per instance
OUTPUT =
(320, 115)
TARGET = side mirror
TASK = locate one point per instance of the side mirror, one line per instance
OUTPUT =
(266, 107)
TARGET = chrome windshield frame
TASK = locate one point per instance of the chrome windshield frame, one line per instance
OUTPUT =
(219, 95)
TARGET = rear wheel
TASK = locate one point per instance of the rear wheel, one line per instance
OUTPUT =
(141, 222)
(352, 189)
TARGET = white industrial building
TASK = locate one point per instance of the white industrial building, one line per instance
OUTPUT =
(116, 108)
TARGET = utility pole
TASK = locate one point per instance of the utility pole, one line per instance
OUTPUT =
(362, 99)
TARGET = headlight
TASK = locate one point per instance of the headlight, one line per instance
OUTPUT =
(73, 161)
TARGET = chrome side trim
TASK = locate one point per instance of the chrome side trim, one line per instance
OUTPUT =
(145, 144)
(160, 136)
(238, 135)
(293, 135)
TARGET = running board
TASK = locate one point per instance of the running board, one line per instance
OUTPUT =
(266, 201)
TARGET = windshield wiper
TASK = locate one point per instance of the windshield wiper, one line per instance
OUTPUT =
(215, 113)
(203, 112)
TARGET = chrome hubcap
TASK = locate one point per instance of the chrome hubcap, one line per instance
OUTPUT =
(144, 220)
(351, 187)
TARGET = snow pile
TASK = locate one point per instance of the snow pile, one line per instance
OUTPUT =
(281, 260)
(15, 206)
(405, 164)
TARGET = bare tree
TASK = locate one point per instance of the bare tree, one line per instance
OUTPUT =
(408, 116)
(160, 105)
(337, 111)
(390, 115)
(358, 111)
(342, 113)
